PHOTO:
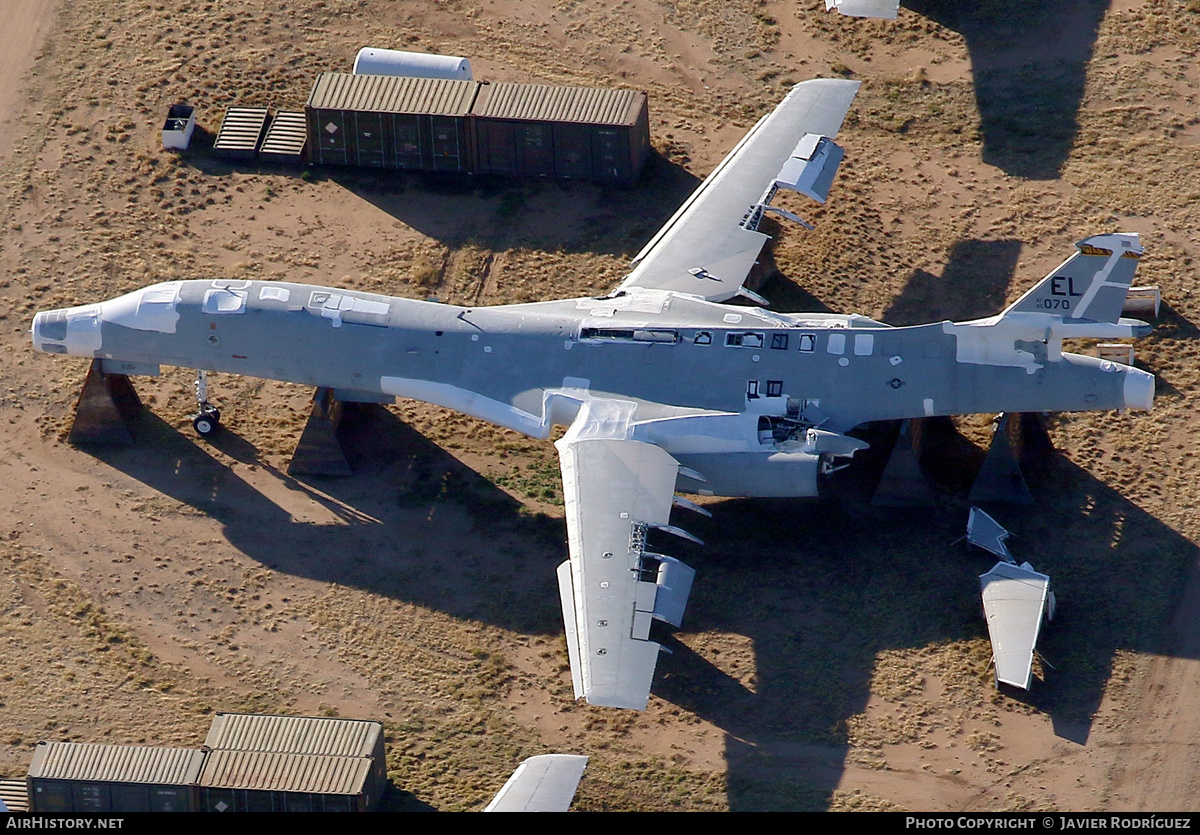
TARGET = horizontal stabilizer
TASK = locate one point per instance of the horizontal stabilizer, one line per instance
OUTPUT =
(1015, 600)
(541, 784)
(985, 532)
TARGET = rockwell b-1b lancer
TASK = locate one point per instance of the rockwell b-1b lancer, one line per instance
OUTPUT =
(663, 386)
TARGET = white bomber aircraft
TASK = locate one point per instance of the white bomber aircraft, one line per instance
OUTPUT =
(663, 386)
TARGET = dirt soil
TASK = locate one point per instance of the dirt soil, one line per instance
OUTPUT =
(833, 655)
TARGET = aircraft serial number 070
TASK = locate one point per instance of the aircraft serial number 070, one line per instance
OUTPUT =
(1054, 304)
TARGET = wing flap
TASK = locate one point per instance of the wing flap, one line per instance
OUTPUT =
(811, 167)
(709, 245)
(611, 588)
(674, 585)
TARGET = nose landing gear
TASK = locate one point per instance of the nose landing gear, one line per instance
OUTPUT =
(207, 420)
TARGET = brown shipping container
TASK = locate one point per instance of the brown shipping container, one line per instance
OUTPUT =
(571, 132)
(355, 743)
(419, 124)
(262, 781)
(68, 778)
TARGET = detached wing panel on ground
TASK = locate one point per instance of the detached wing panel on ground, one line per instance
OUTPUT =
(865, 8)
(612, 587)
(1016, 599)
(545, 783)
(709, 246)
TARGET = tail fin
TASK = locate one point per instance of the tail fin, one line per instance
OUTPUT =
(1089, 286)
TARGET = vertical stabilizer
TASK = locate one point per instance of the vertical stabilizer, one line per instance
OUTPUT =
(1090, 285)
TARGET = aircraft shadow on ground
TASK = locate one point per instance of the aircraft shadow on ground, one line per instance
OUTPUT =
(827, 593)
(413, 523)
(832, 595)
(549, 214)
(1029, 61)
(501, 212)
(974, 284)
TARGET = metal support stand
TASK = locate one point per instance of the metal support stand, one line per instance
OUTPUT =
(903, 484)
(319, 451)
(1030, 438)
(106, 405)
(1000, 478)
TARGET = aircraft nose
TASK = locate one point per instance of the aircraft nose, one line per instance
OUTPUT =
(71, 330)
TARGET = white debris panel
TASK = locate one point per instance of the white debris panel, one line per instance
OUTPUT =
(1015, 600)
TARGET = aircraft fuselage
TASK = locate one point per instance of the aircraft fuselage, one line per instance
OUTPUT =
(670, 356)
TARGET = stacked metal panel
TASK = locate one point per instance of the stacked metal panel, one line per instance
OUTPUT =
(256, 781)
(285, 139)
(68, 777)
(292, 763)
(241, 132)
(569, 132)
(14, 795)
(295, 735)
(419, 124)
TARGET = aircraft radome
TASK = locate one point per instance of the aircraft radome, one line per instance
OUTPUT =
(663, 387)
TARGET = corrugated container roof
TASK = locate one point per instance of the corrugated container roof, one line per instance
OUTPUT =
(293, 734)
(266, 771)
(115, 763)
(392, 94)
(545, 103)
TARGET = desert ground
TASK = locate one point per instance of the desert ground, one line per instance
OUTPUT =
(833, 655)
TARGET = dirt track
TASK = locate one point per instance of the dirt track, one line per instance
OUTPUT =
(833, 655)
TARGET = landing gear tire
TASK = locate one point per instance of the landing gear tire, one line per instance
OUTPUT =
(207, 424)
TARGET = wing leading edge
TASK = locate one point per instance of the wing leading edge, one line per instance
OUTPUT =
(612, 586)
(709, 245)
